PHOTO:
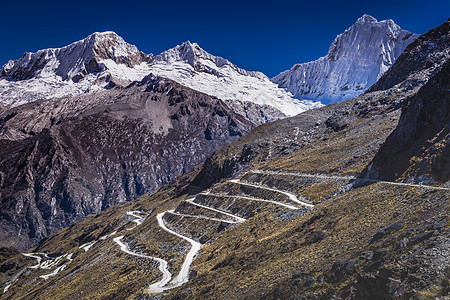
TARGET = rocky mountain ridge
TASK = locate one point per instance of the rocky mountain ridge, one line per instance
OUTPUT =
(356, 59)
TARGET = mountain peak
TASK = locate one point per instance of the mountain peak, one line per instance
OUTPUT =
(369, 21)
(107, 34)
(364, 36)
(98, 36)
(356, 59)
(198, 59)
(109, 45)
(186, 52)
(103, 37)
(77, 60)
(189, 44)
(366, 19)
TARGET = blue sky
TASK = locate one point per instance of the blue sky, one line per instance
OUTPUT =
(256, 35)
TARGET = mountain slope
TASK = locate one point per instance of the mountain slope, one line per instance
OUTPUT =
(356, 59)
(103, 60)
(418, 149)
(62, 159)
(115, 274)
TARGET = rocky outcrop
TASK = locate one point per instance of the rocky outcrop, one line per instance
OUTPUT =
(418, 149)
(63, 159)
(256, 113)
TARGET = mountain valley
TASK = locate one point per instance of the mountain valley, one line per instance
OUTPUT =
(158, 187)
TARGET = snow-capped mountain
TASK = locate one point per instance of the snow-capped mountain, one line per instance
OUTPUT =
(356, 59)
(193, 67)
(103, 60)
(75, 61)
(84, 66)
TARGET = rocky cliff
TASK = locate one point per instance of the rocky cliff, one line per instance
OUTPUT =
(419, 62)
(418, 149)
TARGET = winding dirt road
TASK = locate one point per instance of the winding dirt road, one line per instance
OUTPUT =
(338, 177)
(291, 196)
(156, 287)
(253, 199)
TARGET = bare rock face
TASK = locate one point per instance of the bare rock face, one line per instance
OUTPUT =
(418, 149)
(62, 159)
(256, 113)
